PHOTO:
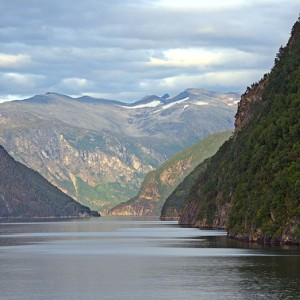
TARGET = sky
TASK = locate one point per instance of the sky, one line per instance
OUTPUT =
(127, 49)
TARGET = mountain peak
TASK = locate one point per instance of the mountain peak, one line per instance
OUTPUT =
(165, 96)
(147, 99)
(47, 98)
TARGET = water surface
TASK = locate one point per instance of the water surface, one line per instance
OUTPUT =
(138, 258)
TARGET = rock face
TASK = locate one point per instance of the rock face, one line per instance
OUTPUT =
(98, 151)
(249, 99)
(251, 185)
(24, 193)
(160, 183)
(83, 173)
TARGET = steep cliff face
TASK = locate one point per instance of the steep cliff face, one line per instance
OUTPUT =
(24, 193)
(251, 185)
(248, 100)
(160, 183)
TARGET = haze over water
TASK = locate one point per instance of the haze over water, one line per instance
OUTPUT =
(139, 258)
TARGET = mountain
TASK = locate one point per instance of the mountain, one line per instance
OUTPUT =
(98, 151)
(25, 193)
(251, 186)
(159, 183)
(175, 202)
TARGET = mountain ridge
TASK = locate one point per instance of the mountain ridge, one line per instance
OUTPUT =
(99, 152)
(146, 99)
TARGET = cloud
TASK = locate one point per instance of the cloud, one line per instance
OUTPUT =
(124, 49)
(13, 61)
(20, 83)
(212, 5)
(74, 86)
(228, 81)
(12, 97)
(206, 58)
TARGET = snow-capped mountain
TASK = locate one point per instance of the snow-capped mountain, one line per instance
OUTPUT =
(99, 150)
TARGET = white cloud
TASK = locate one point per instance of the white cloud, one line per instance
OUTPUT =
(74, 86)
(14, 83)
(210, 5)
(205, 58)
(125, 49)
(14, 61)
(75, 82)
(12, 97)
(185, 58)
(21, 80)
(218, 80)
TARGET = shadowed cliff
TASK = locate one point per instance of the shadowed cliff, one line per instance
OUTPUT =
(24, 193)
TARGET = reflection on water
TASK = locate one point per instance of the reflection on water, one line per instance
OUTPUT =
(139, 258)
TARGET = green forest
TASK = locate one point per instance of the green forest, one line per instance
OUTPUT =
(257, 173)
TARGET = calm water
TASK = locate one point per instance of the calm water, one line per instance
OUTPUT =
(113, 258)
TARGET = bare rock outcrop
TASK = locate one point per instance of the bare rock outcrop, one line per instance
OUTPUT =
(245, 106)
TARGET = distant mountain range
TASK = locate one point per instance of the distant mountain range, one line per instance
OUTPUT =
(161, 182)
(26, 194)
(98, 151)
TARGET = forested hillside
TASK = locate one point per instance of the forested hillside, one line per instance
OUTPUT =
(251, 186)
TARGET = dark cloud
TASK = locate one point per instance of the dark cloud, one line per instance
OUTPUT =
(125, 49)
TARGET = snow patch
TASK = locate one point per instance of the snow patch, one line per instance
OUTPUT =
(173, 103)
(201, 103)
(150, 104)
(168, 105)
(179, 101)
(186, 106)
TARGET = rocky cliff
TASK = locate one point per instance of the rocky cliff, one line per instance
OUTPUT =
(251, 185)
(95, 174)
(26, 194)
(248, 100)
